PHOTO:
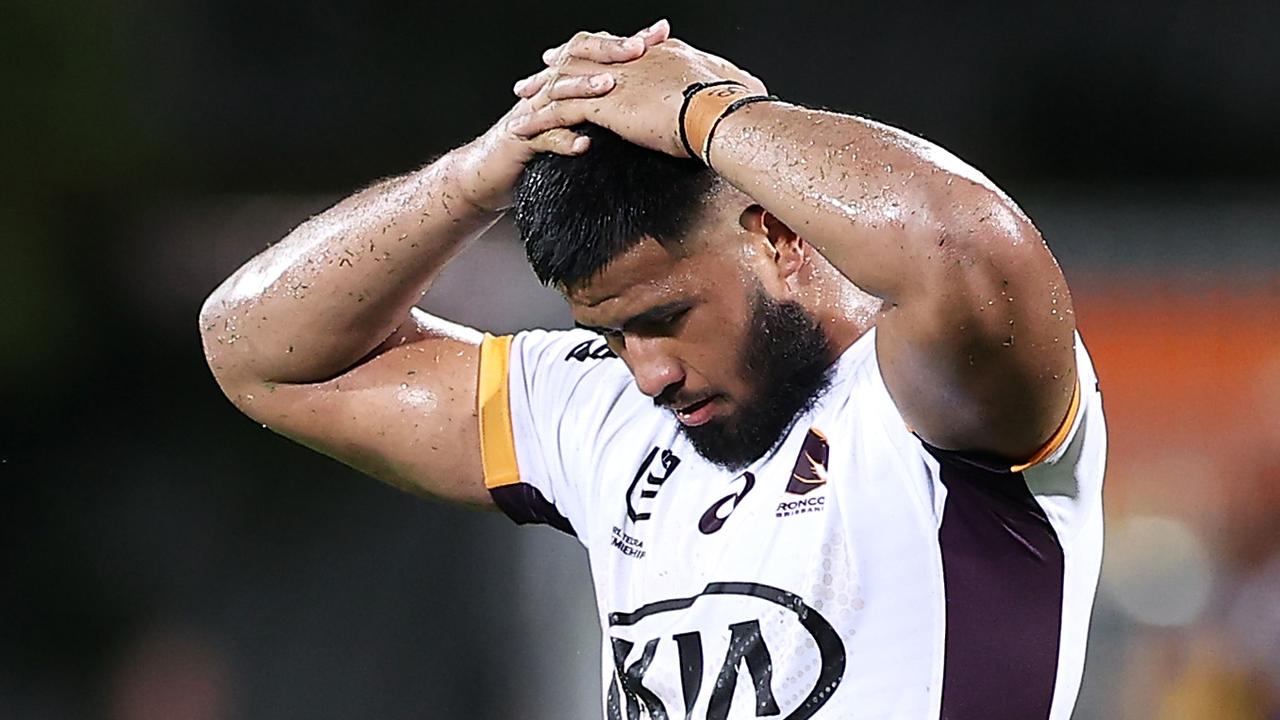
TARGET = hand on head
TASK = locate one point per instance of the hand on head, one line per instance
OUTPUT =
(558, 82)
(599, 47)
(633, 86)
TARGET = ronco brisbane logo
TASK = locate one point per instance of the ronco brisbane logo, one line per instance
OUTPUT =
(706, 642)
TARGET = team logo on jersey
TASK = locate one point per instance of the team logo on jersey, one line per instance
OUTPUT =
(704, 644)
(716, 515)
(590, 350)
(641, 494)
(810, 471)
(809, 474)
(638, 503)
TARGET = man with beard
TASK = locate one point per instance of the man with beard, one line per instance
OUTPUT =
(839, 451)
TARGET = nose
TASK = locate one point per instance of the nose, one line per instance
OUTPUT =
(654, 369)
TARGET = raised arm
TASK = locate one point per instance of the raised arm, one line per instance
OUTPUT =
(976, 342)
(317, 337)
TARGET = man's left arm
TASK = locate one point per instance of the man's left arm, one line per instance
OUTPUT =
(976, 343)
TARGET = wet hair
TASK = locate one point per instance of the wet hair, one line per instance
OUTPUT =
(577, 214)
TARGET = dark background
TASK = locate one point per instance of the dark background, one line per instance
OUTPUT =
(163, 557)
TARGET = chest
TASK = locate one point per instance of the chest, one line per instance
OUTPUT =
(817, 562)
(820, 514)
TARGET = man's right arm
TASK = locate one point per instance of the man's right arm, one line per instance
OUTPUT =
(317, 337)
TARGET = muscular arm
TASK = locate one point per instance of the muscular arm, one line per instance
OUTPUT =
(977, 343)
(316, 336)
(311, 306)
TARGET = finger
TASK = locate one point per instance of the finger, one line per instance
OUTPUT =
(551, 56)
(605, 48)
(557, 114)
(656, 33)
(596, 47)
(557, 54)
(561, 142)
(531, 85)
(579, 86)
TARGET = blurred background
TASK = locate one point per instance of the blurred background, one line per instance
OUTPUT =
(162, 557)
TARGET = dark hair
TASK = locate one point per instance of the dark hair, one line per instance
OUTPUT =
(576, 214)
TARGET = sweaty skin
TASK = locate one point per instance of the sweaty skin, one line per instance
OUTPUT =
(976, 344)
(977, 334)
(317, 337)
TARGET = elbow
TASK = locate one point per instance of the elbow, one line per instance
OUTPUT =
(210, 315)
(216, 325)
(979, 231)
(211, 327)
(218, 337)
(990, 260)
(977, 216)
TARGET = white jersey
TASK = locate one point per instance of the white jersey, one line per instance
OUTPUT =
(853, 573)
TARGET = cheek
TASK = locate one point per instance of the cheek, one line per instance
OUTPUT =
(713, 351)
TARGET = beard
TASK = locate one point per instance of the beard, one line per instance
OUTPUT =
(786, 356)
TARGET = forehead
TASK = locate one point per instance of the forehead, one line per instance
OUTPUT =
(649, 267)
(646, 275)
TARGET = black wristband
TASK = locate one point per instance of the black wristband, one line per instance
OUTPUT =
(689, 92)
(733, 107)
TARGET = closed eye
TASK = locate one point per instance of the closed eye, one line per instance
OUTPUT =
(602, 332)
(662, 320)
(663, 325)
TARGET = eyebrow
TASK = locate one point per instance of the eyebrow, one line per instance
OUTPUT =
(653, 314)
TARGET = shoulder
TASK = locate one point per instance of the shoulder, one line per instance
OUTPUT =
(554, 405)
(565, 359)
(582, 349)
(568, 375)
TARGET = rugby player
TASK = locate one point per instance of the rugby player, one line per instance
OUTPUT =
(826, 429)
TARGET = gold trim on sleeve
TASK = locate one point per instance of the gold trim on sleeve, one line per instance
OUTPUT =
(1059, 436)
(497, 439)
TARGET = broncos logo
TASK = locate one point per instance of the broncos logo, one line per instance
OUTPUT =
(810, 470)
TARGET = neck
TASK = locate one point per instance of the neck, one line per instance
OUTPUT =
(843, 310)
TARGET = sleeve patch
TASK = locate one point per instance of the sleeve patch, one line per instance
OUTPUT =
(1059, 436)
(497, 438)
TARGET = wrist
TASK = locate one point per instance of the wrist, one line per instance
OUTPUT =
(462, 175)
(705, 106)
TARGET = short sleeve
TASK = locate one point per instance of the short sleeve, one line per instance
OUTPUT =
(539, 393)
(1067, 475)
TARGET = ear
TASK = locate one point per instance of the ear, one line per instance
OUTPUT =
(787, 248)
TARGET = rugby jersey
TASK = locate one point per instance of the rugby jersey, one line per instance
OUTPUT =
(852, 573)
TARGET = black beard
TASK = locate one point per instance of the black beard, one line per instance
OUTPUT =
(787, 356)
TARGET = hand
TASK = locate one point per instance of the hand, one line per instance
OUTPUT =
(486, 169)
(643, 105)
(593, 46)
